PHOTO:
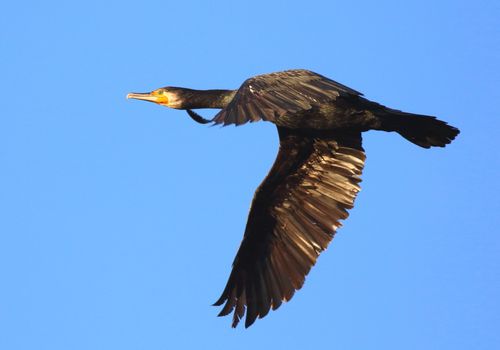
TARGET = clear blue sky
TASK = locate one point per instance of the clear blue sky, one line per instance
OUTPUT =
(120, 219)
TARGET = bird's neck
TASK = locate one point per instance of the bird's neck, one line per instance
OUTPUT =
(193, 99)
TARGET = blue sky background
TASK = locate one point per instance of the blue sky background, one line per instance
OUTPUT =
(120, 219)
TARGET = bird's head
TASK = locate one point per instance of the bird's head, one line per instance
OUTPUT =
(168, 96)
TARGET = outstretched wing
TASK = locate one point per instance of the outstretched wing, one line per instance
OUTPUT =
(270, 96)
(294, 215)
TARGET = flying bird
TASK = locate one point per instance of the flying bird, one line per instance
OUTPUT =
(297, 209)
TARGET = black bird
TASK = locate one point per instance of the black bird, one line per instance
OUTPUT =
(314, 180)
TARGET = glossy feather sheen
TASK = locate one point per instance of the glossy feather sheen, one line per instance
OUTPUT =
(272, 96)
(293, 217)
(313, 182)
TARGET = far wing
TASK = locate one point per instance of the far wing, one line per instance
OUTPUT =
(294, 215)
(269, 96)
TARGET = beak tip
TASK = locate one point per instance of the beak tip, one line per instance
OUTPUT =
(143, 96)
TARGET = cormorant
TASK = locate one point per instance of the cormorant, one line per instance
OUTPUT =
(314, 180)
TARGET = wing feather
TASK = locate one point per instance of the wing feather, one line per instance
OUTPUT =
(294, 215)
(270, 96)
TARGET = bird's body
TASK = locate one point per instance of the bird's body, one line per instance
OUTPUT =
(314, 180)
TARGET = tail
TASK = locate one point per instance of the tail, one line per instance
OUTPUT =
(423, 130)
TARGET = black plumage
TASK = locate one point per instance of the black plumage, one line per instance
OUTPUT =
(313, 182)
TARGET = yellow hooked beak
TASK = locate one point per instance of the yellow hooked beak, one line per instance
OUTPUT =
(154, 96)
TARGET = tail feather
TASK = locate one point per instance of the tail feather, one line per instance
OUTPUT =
(424, 131)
